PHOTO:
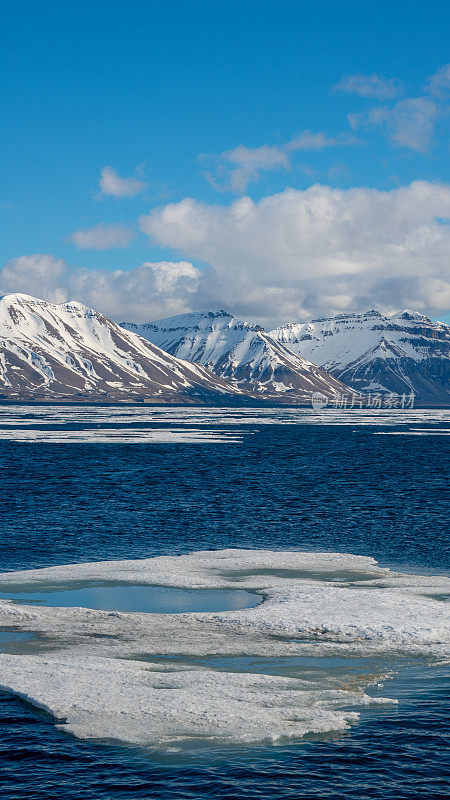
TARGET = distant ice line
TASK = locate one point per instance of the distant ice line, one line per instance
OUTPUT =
(123, 436)
(204, 415)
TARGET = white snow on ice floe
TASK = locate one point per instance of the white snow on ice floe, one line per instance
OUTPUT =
(102, 698)
(110, 674)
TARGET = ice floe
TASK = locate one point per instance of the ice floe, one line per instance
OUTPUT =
(129, 701)
(109, 674)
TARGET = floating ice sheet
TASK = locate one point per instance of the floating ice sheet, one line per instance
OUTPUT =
(106, 699)
(139, 678)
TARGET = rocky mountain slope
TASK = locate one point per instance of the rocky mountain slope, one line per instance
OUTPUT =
(241, 353)
(71, 351)
(372, 352)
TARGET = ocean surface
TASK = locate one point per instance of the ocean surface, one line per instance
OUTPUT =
(80, 484)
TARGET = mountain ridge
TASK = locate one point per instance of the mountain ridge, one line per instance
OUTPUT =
(71, 350)
(373, 352)
(240, 352)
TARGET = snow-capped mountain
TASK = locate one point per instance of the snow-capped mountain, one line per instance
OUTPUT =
(70, 350)
(239, 352)
(372, 352)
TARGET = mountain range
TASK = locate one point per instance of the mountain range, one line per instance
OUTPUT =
(370, 352)
(241, 353)
(377, 353)
(71, 351)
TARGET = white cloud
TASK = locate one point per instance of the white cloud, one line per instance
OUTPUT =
(307, 140)
(234, 169)
(147, 292)
(150, 291)
(409, 123)
(102, 237)
(370, 86)
(38, 274)
(303, 253)
(439, 83)
(292, 255)
(112, 185)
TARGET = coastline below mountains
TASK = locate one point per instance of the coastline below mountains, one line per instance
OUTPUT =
(70, 352)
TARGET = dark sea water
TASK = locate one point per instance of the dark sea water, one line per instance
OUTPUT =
(362, 484)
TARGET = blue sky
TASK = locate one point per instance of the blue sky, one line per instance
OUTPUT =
(187, 110)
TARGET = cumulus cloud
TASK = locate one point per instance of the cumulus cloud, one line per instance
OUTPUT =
(112, 185)
(297, 254)
(370, 86)
(38, 274)
(234, 169)
(292, 255)
(150, 291)
(102, 237)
